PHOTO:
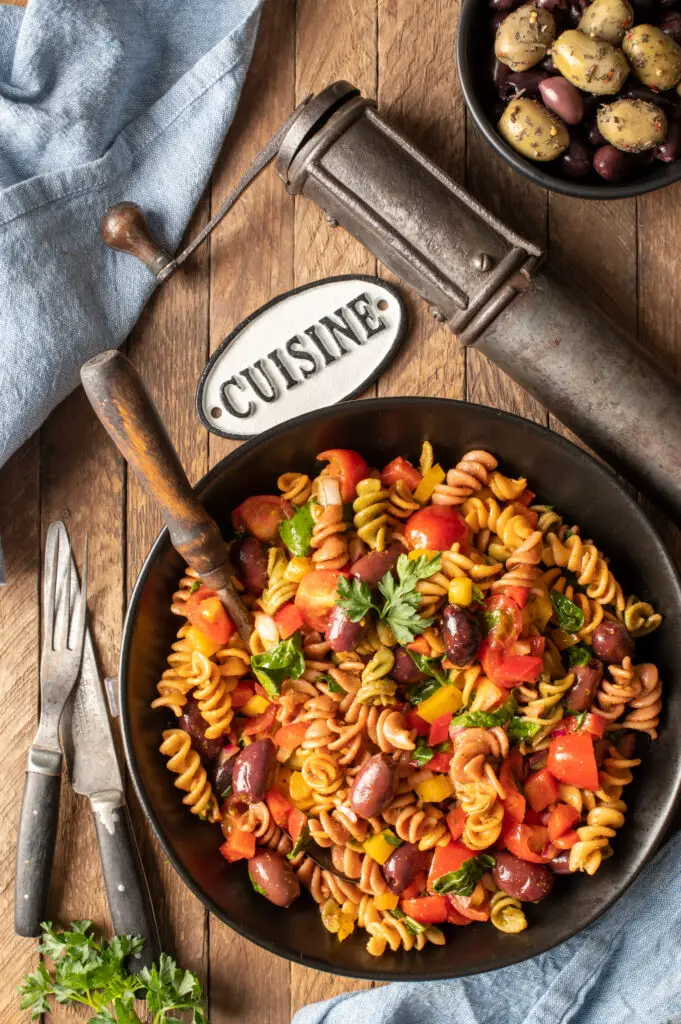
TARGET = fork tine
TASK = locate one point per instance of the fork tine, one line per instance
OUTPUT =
(79, 612)
(61, 632)
(50, 574)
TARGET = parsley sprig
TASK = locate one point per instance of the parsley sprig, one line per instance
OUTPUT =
(91, 972)
(400, 608)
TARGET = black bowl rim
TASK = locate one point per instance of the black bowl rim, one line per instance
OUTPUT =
(665, 175)
(372, 405)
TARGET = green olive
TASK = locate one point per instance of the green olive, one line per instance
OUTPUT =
(533, 131)
(607, 20)
(524, 37)
(654, 56)
(591, 64)
(632, 125)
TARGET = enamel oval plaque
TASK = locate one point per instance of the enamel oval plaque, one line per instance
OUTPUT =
(307, 349)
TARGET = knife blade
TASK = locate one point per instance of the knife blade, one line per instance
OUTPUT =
(94, 771)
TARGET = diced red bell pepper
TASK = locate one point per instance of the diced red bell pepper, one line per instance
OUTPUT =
(414, 721)
(508, 670)
(291, 736)
(541, 790)
(456, 820)
(454, 917)
(507, 621)
(567, 840)
(421, 646)
(447, 858)
(241, 694)
(561, 818)
(462, 905)
(592, 723)
(439, 730)
(426, 909)
(297, 821)
(401, 469)
(440, 762)
(288, 620)
(528, 842)
(347, 467)
(527, 497)
(238, 846)
(260, 723)
(518, 594)
(509, 774)
(279, 806)
(571, 760)
(416, 887)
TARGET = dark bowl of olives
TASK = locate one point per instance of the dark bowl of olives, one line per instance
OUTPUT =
(581, 96)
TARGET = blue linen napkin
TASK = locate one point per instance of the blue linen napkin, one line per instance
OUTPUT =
(100, 101)
(625, 968)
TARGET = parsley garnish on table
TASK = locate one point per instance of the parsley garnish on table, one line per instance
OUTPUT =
(401, 598)
(91, 972)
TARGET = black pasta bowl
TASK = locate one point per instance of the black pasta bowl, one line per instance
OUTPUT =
(563, 475)
(473, 50)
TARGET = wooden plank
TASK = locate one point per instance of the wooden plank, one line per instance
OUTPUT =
(19, 646)
(87, 493)
(256, 238)
(334, 40)
(423, 99)
(172, 333)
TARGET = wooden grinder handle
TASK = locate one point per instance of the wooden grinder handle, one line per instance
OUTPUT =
(124, 227)
(122, 403)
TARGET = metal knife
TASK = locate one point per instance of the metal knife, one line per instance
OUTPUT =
(94, 771)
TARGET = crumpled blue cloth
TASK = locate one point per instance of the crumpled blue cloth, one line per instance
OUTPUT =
(624, 969)
(100, 101)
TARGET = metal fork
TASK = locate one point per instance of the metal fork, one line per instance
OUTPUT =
(64, 633)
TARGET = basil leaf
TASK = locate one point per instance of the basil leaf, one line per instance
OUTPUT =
(285, 661)
(330, 683)
(409, 923)
(570, 617)
(258, 888)
(491, 619)
(478, 594)
(580, 719)
(580, 654)
(301, 842)
(391, 839)
(520, 728)
(296, 532)
(194, 587)
(464, 881)
(422, 754)
(488, 719)
(422, 691)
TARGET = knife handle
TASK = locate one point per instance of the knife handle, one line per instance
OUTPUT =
(35, 846)
(126, 885)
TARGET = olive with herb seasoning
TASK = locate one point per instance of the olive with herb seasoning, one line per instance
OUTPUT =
(632, 125)
(654, 56)
(607, 19)
(590, 64)
(524, 37)
(533, 131)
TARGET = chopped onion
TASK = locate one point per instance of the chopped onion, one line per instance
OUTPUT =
(267, 629)
(326, 490)
(230, 750)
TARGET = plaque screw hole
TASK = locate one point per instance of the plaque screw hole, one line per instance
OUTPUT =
(216, 412)
(382, 304)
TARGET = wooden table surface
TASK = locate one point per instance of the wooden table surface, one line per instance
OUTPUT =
(401, 52)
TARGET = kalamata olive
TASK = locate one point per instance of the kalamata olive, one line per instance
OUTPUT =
(587, 679)
(537, 760)
(404, 670)
(593, 134)
(500, 76)
(600, 751)
(611, 642)
(671, 25)
(554, 7)
(668, 101)
(562, 98)
(221, 773)
(401, 866)
(341, 633)
(193, 722)
(521, 879)
(254, 771)
(670, 150)
(560, 865)
(626, 745)
(504, 5)
(373, 787)
(372, 568)
(461, 634)
(547, 64)
(273, 877)
(611, 164)
(498, 18)
(249, 558)
(527, 82)
(575, 162)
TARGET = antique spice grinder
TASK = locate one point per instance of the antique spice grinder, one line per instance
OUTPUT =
(487, 282)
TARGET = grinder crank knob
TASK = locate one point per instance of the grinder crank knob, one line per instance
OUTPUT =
(124, 227)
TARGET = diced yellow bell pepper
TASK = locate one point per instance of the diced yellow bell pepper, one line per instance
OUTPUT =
(447, 700)
(563, 640)
(460, 591)
(298, 788)
(346, 927)
(297, 568)
(297, 758)
(432, 791)
(417, 552)
(431, 479)
(255, 706)
(201, 642)
(539, 610)
(487, 696)
(386, 901)
(380, 847)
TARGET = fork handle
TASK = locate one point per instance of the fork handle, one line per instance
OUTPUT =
(35, 844)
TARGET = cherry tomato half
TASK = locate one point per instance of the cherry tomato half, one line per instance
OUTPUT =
(316, 596)
(541, 790)
(261, 515)
(347, 467)
(436, 528)
(426, 909)
(504, 620)
(572, 760)
(400, 469)
(561, 819)
(527, 842)
(592, 723)
(206, 612)
(507, 669)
